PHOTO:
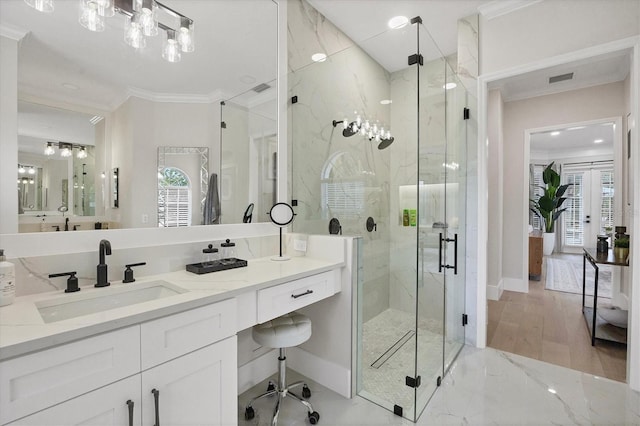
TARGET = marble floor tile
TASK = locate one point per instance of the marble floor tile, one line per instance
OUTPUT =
(485, 386)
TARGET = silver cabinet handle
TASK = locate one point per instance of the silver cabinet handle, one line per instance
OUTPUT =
(295, 296)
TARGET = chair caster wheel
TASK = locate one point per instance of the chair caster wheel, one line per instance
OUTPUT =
(306, 392)
(271, 387)
(314, 417)
(249, 413)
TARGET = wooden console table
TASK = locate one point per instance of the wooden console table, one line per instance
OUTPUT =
(594, 323)
(535, 255)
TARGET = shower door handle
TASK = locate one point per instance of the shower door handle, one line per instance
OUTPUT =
(440, 254)
(455, 254)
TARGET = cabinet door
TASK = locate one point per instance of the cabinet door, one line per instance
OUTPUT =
(199, 388)
(107, 406)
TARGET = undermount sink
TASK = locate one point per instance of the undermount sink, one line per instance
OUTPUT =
(100, 300)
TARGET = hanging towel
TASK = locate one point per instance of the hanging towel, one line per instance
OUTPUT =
(212, 202)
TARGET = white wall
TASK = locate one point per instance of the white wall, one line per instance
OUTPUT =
(140, 127)
(543, 111)
(550, 28)
(8, 134)
(495, 115)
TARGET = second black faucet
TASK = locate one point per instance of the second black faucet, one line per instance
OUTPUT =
(104, 250)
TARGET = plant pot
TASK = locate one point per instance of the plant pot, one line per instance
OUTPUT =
(548, 243)
(621, 253)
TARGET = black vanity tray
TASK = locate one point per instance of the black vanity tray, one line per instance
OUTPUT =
(215, 266)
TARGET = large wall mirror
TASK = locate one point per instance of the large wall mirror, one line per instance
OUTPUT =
(91, 91)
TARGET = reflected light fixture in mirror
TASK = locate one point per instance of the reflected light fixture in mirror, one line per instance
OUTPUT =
(45, 6)
(92, 15)
(281, 215)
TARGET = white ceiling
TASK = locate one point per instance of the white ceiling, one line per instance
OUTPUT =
(362, 20)
(38, 124)
(57, 53)
(576, 139)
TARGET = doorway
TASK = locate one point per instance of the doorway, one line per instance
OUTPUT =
(590, 204)
(526, 301)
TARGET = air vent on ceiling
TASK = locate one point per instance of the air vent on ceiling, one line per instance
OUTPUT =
(561, 77)
(261, 87)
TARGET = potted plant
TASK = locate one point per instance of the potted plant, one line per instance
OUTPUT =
(621, 248)
(548, 206)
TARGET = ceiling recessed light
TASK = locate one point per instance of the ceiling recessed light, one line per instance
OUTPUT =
(598, 141)
(576, 128)
(398, 22)
(450, 86)
(556, 133)
(386, 101)
(70, 86)
(319, 57)
(552, 390)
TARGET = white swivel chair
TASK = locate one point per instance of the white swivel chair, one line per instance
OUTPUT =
(283, 332)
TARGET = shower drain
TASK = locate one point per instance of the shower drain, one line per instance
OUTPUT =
(393, 349)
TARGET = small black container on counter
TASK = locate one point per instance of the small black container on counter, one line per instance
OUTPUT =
(603, 244)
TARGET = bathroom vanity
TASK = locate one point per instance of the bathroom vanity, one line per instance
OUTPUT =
(172, 359)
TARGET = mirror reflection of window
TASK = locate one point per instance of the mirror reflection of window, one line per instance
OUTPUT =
(174, 198)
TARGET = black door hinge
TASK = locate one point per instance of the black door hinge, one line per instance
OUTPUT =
(223, 124)
(416, 59)
(413, 382)
(465, 113)
(465, 319)
(439, 381)
(294, 99)
(397, 410)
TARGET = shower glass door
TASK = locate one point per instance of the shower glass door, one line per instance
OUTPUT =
(458, 117)
(406, 301)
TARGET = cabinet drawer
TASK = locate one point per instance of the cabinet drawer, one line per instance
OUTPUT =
(281, 299)
(169, 337)
(33, 382)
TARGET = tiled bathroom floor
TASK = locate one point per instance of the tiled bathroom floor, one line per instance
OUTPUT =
(485, 386)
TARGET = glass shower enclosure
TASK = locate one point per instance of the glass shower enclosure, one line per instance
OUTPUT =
(378, 150)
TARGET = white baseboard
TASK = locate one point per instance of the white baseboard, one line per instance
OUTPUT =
(494, 292)
(328, 374)
(257, 370)
(516, 284)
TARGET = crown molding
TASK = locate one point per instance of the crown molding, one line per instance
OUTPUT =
(174, 97)
(13, 33)
(502, 7)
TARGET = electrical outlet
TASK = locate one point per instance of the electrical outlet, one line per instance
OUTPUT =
(300, 245)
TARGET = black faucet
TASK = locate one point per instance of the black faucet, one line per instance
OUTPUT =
(104, 249)
(66, 224)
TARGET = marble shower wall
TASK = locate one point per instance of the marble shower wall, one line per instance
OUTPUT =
(332, 175)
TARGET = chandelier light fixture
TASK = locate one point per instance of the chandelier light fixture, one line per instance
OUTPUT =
(141, 21)
(368, 129)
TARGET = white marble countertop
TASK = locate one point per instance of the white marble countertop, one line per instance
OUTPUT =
(22, 329)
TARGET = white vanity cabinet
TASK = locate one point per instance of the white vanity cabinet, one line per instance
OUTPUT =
(189, 359)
